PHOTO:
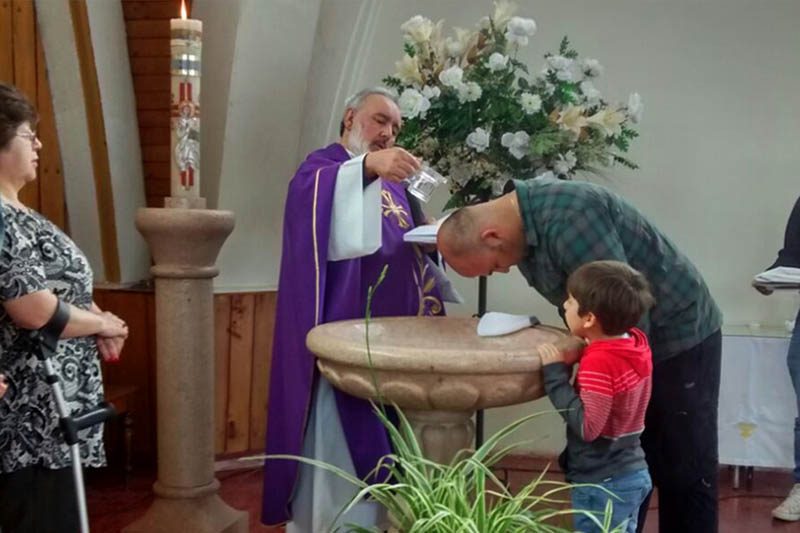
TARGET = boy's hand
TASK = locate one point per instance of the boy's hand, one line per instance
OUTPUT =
(571, 348)
(549, 354)
(3, 385)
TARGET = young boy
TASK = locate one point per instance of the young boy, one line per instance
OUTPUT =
(605, 409)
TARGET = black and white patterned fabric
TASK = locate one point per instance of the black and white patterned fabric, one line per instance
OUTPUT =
(36, 256)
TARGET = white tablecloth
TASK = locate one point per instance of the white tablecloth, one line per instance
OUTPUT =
(757, 404)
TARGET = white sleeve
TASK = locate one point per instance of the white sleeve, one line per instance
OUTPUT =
(356, 214)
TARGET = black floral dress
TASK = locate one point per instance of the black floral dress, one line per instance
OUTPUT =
(36, 256)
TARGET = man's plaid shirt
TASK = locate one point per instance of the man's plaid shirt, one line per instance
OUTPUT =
(569, 223)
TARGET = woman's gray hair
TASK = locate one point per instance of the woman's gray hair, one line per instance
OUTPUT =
(357, 100)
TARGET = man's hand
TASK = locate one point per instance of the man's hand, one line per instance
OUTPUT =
(3, 385)
(393, 164)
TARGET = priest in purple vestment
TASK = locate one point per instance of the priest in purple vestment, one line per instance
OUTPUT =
(346, 213)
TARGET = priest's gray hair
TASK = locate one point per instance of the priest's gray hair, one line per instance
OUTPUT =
(357, 100)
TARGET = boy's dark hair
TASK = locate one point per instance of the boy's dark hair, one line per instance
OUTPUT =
(15, 109)
(615, 293)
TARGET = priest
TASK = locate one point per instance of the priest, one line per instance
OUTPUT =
(345, 216)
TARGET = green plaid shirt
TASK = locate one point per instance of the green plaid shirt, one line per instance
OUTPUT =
(569, 223)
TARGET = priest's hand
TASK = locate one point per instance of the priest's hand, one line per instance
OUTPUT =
(393, 164)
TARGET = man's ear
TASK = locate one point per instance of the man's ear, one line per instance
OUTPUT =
(348, 119)
(491, 238)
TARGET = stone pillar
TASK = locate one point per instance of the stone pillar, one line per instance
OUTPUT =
(442, 434)
(184, 244)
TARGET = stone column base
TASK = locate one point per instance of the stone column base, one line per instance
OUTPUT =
(198, 515)
(442, 434)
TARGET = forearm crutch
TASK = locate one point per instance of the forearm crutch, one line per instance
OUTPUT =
(47, 340)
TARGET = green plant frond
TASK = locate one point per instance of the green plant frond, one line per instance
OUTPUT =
(490, 443)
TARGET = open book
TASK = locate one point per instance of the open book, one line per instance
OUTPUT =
(422, 234)
(778, 278)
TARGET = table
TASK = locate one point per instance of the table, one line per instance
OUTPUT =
(757, 404)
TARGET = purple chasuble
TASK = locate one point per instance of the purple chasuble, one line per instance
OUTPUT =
(313, 290)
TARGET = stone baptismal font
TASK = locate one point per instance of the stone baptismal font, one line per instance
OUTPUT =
(436, 369)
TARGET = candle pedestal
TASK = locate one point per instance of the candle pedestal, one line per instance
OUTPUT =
(184, 244)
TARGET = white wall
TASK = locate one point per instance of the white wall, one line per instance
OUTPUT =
(717, 147)
(58, 40)
(107, 28)
(114, 79)
(220, 23)
(269, 73)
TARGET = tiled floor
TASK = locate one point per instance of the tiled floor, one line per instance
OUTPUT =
(112, 506)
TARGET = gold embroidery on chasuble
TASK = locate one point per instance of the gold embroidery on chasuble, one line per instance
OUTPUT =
(429, 303)
(390, 207)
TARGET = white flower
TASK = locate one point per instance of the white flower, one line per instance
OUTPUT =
(431, 91)
(591, 93)
(503, 11)
(565, 75)
(413, 104)
(497, 61)
(571, 118)
(469, 92)
(635, 108)
(451, 77)
(517, 143)
(607, 121)
(408, 70)
(565, 163)
(418, 29)
(531, 103)
(549, 88)
(458, 45)
(478, 140)
(519, 29)
(484, 23)
(591, 67)
(559, 62)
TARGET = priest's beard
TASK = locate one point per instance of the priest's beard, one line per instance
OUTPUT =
(356, 142)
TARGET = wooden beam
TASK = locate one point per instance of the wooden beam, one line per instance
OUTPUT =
(24, 36)
(6, 41)
(97, 139)
(51, 177)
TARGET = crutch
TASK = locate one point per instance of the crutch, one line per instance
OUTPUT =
(46, 339)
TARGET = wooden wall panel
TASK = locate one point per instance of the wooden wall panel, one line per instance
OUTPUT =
(22, 63)
(133, 367)
(24, 41)
(264, 326)
(240, 368)
(222, 346)
(6, 41)
(243, 330)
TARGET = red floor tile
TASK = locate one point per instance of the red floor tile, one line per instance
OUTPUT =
(112, 505)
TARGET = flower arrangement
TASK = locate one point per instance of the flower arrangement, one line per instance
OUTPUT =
(472, 109)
